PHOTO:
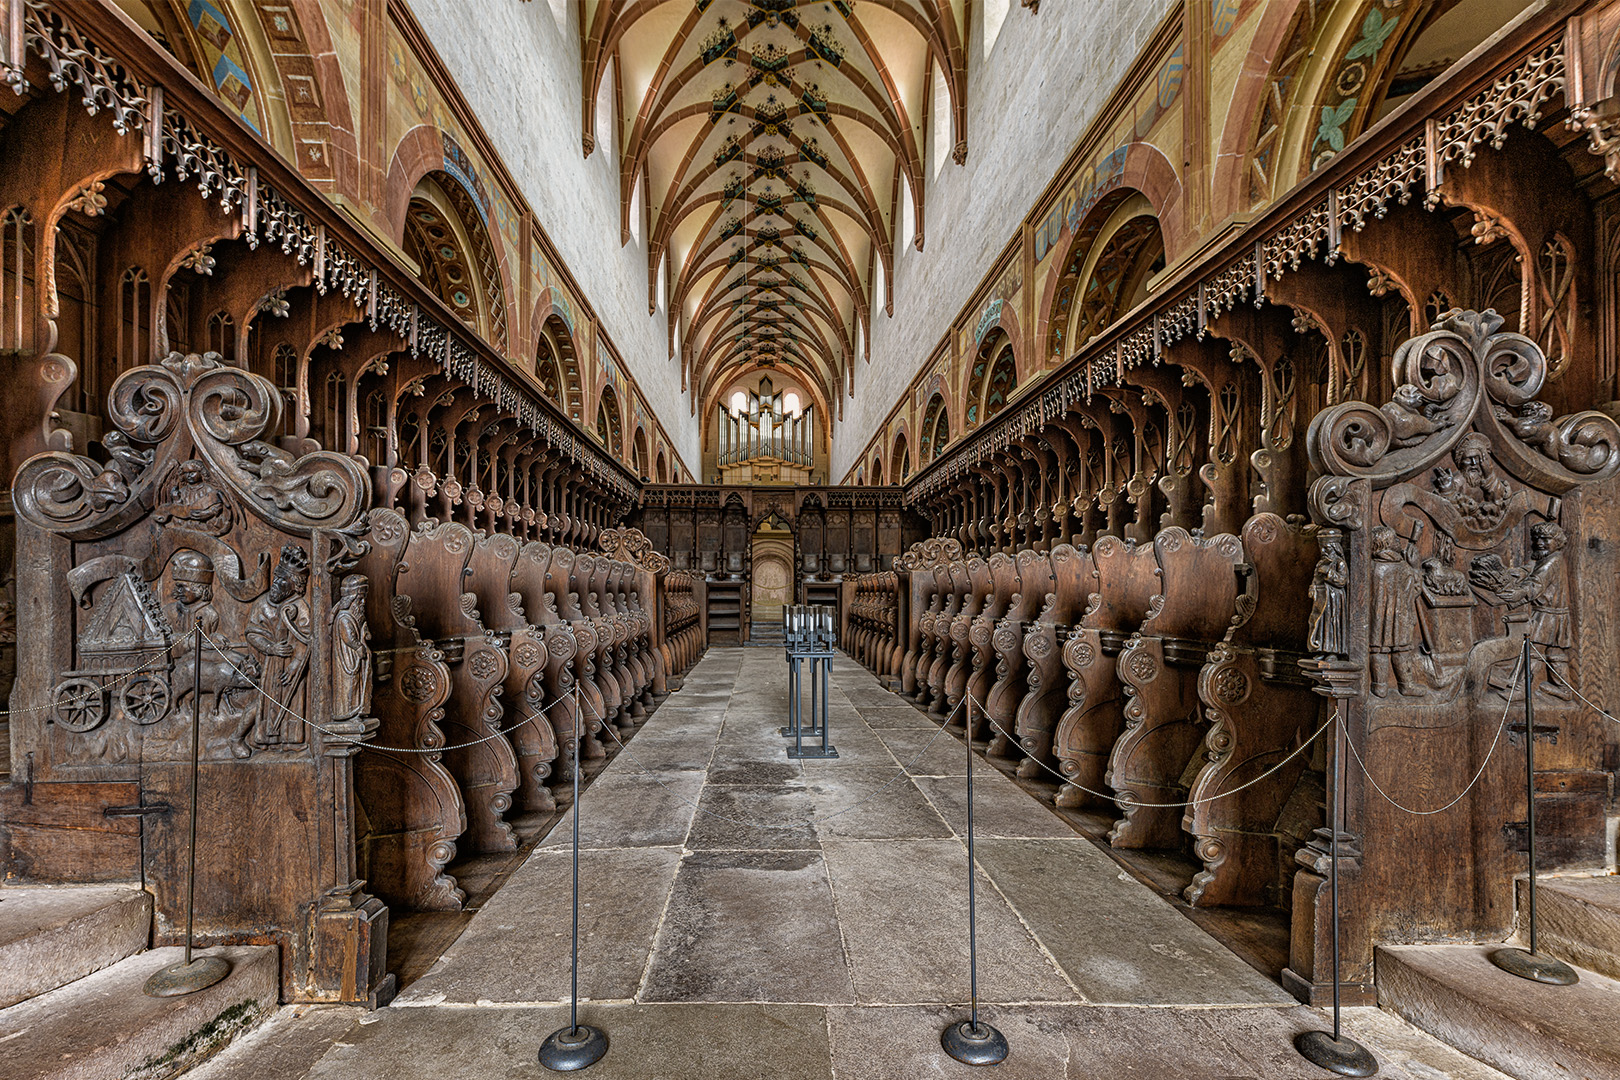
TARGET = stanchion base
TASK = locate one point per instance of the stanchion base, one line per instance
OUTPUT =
(1537, 967)
(572, 1049)
(1343, 1056)
(812, 752)
(809, 733)
(983, 1045)
(181, 978)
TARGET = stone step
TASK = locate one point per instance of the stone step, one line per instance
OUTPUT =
(1577, 920)
(1528, 1030)
(50, 937)
(103, 1027)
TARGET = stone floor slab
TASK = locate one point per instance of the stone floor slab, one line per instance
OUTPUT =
(1000, 807)
(894, 716)
(663, 1042)
(753, 817)
(903, 908)
(629, 807)
(750, 926)
(1118, 941)
(931, 751)
(871, 802)
(517, 948)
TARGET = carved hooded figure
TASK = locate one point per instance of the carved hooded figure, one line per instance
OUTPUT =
(351, 656)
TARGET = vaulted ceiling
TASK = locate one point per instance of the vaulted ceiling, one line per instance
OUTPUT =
(772, 137)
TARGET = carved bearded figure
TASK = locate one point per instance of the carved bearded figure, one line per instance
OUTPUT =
(193, 593)
(279, 631)
(1546, 589)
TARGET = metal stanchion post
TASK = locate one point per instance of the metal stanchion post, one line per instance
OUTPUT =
(1335, 1052)
(190, 975)
(576, 1046)
(971, 1042)
(817, 638)
(1532, 965)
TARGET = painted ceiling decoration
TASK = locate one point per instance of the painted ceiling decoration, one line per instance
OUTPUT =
(768, 141)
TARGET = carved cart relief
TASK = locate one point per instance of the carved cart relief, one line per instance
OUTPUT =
(1457, 499)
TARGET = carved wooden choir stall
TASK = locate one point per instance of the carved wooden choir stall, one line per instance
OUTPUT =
(390, 634)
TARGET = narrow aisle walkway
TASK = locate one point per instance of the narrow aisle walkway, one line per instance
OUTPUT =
(743, 915)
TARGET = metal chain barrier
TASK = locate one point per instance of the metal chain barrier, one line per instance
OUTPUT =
(1300, 749)
(1518, 672)
(118, 679)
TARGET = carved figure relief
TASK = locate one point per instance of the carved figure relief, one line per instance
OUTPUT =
(1392, 631)
(351, 653)
(279, 631)
(1327, 621)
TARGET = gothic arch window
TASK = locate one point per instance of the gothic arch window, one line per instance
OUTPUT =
(998, 384)
(75, 321)
(609, 426)
(17, 300)
(661, 470)
(556, 365)
(639, 450)
(446, 237)
(333, 400)
(1124, 261)
(376, 433)
(900, 460)
(222, 336)
(936, 430)
(877, 470)
(860, 476)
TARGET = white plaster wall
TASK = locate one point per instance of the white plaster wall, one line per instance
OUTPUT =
(1028, 105)
(522, 77)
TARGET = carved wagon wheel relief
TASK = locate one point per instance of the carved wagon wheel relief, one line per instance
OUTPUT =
(145, 699)
(79, 704)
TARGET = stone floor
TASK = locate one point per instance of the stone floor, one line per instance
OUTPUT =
(743, 915)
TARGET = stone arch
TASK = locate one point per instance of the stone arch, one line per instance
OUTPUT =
(455, 255)
(1105, 277)
(991, 380)
(877, 469)
(1146, 174)
(936, 430)
(556, 363)
(660, 468)
(610, 420)
(423, 151)
(638, 453)
(900, 458)
(1271, 47)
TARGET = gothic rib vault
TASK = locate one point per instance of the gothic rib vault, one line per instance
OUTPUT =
(768, 140)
